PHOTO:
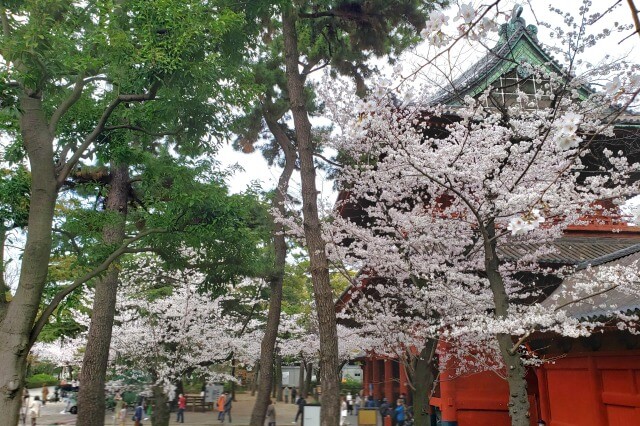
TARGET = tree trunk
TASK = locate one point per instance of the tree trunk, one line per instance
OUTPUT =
(278, 365)
(423, 381)
(91, 402)
(516, 372)
(256, 377)
(161, 414)
(17, 317)
(518, 398)
(307, 379)
(275, 386)
(4, 289)
(301, 379)
(268, 344)
(233, 383)
(330, 414)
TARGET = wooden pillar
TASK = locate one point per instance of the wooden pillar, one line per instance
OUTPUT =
(388, 379)
(370, 368)
(375, 364)
(366, 377)
(543, 391)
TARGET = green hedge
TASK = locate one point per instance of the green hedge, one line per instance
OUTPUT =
(37, 380)
(350, 386)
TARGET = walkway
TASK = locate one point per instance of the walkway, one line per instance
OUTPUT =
(240, 413)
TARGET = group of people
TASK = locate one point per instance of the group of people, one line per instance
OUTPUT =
(142, 411)
(399, 412)
(31, 409)
(286, 391)
(224, 403)
(352, 404)
(300, 402)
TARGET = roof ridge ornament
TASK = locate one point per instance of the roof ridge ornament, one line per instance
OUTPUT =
(516, 24)
(516, 14)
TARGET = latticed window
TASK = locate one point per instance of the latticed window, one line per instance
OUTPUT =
(513, 89)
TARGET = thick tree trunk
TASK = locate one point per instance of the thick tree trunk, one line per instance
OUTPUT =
(330, 413)
(161, 414)
(516, 372)
(91, 402)
(518, 398)
(423, 380)
(268, 344)
(17, 317)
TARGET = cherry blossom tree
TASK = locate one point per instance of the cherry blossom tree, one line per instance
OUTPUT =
(64, 352)
(441, 189)
(167, 327)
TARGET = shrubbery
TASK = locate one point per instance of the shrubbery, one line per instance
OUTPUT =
(350, 386)
(37, 380)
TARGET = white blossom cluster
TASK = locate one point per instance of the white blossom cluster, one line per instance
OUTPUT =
(434, 187)
(168, 331)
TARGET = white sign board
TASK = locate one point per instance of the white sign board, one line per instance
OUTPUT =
(212, 393)
(311, 415)
(285, 378)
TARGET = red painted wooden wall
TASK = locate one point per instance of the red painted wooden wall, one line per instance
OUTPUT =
(594, 390)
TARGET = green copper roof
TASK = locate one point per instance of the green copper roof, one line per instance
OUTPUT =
(518, 44)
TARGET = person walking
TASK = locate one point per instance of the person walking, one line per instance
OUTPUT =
(286, 394)
(385, 408)
(122, 414)
(116, 411)
(220, 405)
(294, 393)
(301, 403)
(45, 394)
(271, 414)
(138, 414)
(344, 407)
(227, 406)
(34, 409)
(182, 405)
(400, 414)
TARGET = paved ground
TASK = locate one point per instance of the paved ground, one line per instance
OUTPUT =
(240, 413)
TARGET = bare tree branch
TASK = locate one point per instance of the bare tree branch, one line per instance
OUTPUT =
(142, 130)
(634, 16)
(67, 103)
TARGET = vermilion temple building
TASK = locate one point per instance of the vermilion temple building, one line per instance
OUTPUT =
(592, 381)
